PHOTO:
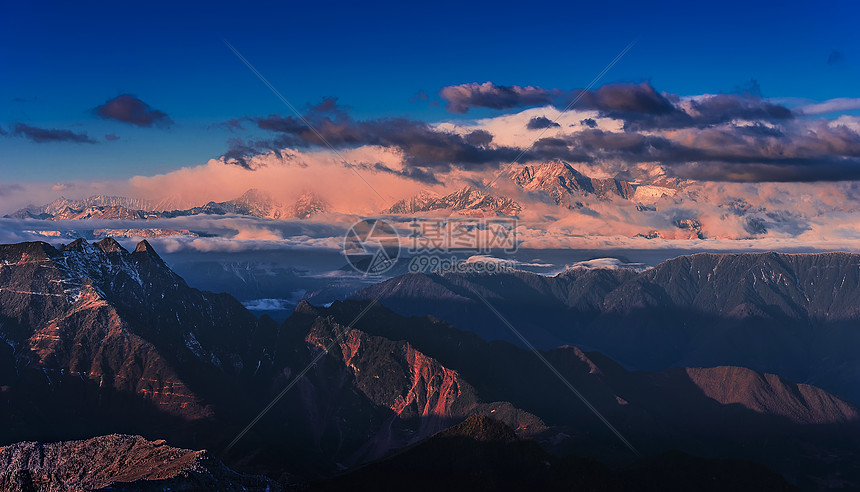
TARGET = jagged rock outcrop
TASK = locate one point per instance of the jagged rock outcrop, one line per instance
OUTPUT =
(118, 462)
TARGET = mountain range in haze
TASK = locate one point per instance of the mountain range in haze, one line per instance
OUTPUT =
(253, 203)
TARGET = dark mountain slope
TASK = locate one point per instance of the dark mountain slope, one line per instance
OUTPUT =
(814, 287)
(730, 412)
(100, 340)
(540, 305)
(483, 454)
(796, 315)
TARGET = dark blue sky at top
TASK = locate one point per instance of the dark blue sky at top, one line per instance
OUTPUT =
(60, 60)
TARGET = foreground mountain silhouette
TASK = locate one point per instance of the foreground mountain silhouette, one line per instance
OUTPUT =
(484, 454)
(118, 462)
(99, 340)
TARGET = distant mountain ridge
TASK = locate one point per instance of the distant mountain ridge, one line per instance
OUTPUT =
(253, 202)
(565, 185)
(790, 314)
(560, 181)
(62, 205)
(468, 200)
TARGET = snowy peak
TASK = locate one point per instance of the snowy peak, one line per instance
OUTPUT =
(465, 201)
(309, 204)
(567, 186)
(67, 208)
(254, 203)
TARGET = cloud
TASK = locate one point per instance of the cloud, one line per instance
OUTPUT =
(606, 264)
(705, 111)
(413, 173)
(422, 144)
(611, 98)
(835, 57)
(623, 99)
(589, 122)
(479, 137)
(722, 137)
(729, 153)
(640, 106)
(288, 173)
(129, 109)
(47, 135)
(238, 152)
(269, 304)
(111, 137)
(541, 122)
(838, 105)
(461, 98)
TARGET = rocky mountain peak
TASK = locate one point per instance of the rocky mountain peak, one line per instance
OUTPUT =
(80, 244)
(110, 245)
(481, 428)
(144, 247)
(467, 200)
(567, 186)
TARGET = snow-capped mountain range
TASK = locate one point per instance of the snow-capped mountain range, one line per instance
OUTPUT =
(253, 202)
(466, 201)
(553, 184)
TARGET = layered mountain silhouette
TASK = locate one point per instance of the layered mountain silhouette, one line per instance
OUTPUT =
(99, 340)
(795, 315)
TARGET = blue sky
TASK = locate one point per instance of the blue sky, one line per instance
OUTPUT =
(59, 61)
